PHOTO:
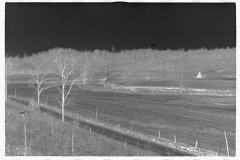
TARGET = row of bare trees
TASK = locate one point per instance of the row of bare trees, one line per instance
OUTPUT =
(68, 68)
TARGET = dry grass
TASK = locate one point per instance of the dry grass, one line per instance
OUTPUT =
(47, 136)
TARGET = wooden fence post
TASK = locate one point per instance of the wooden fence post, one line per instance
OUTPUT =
(25, 139)
(125, 146)
(137, 149)
(96, 114)
(218, 151)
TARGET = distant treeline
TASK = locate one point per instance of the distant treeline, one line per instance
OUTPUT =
(130, 64)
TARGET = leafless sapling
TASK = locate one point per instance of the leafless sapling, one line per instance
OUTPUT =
(39, 79)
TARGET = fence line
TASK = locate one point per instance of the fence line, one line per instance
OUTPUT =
(162, 141)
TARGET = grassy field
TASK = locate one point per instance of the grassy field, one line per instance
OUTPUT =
(189, 117)
(47, 136)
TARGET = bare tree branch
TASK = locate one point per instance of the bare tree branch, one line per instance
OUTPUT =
(71, 87)
(59, 89)
(32, 85)
(66, 77)
(44, 88)
(46, 79)
(68, 101)
(58, 101)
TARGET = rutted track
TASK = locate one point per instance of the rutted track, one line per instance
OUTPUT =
(160, 147)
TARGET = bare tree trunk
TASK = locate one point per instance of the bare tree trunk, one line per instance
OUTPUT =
(107, 74)
(6, 89)
(108, 70)
(181, 87)
(63, 100)
(38, 100)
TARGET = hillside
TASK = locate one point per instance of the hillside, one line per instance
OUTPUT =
(147, 67)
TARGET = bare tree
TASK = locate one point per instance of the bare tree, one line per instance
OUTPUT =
(8, 71)
(109, 66)
(108, 70)
(66, 65)
(39, 79)
(86, 67)
(185, 71)
(113, 49)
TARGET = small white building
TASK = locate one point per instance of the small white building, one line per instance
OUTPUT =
(199, 75)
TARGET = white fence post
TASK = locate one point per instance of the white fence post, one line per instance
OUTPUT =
(96, 114)
(226, 143)
(196, 144)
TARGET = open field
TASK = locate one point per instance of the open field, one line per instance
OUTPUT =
(47, 136)
(207, 86)
(188, 117)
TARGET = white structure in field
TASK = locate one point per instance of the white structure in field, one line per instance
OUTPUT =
(103, 79)
(199, 75)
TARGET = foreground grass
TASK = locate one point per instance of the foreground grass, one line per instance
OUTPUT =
(47, 136)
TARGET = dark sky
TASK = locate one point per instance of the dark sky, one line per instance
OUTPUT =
(34, 27)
